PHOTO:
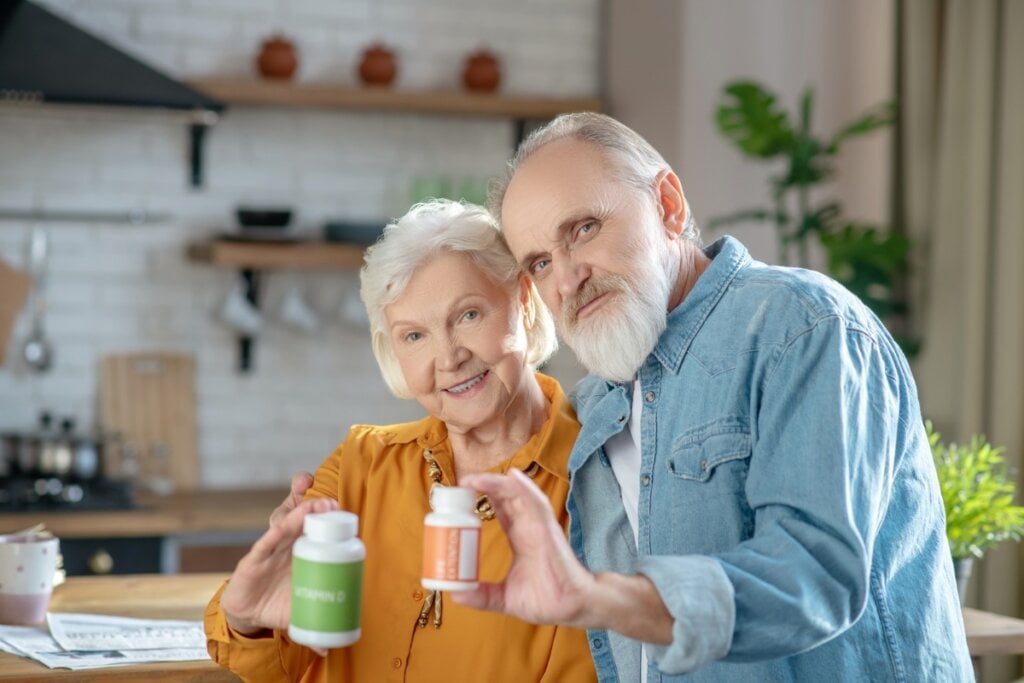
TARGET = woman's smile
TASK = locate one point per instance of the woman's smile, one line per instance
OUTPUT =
(470, 387)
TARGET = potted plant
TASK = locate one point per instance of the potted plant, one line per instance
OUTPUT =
(978, 496)
(867, 259)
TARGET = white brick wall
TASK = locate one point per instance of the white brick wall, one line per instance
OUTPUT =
(114, 288)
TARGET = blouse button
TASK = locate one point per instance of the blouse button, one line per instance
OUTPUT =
(417, 595)
(397, 662)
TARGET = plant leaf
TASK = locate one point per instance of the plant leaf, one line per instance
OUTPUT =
(749, 117)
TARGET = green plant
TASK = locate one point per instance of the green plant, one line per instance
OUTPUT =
(977, 494)
(867, 259)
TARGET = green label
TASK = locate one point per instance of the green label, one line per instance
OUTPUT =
(326, 596)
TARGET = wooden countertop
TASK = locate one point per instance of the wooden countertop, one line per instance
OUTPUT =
(993, 634)
(178, 513)
(182, 596)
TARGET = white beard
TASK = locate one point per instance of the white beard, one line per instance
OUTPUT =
(614, 343)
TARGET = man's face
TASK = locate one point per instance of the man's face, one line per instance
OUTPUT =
(596, 249)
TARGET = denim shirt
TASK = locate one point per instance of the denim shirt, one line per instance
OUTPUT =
(789, 515)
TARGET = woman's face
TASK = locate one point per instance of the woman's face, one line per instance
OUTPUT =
(460, 342)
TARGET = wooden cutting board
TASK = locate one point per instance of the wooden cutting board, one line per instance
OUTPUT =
(149, 399)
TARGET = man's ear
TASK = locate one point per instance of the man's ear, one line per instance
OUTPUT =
(671, 202)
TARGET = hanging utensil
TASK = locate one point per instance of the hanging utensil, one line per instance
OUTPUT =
(37, 350)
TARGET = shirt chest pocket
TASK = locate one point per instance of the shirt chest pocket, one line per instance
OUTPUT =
(716, 458)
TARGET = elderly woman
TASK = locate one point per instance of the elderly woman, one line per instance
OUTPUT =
(457, 328)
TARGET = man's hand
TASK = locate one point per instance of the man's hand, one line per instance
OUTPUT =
(258, 596)
(546, 583)
(301, 482)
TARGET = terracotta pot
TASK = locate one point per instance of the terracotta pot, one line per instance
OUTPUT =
(482, 72)
(278, 58)
(378, 66)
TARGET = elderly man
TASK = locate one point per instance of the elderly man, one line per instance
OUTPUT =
(780, 518)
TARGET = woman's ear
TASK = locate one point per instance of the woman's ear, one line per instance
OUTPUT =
(671, 202)
(527, 301)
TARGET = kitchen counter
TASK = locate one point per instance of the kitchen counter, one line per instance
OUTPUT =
(145, 596)
(175, 514)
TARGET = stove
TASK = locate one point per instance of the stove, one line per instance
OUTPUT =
(54, 494)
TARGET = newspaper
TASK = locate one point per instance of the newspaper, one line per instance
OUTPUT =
(89, 641)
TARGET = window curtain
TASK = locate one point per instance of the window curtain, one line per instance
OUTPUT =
(961, 171)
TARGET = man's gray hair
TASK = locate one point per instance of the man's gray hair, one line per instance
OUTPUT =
(408, 243)
(630, 158)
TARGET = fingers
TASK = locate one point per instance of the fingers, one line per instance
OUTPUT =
(487, 596)
(512, 495)
(289, 527)
(301, 481)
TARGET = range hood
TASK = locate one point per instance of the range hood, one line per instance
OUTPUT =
(45, 58)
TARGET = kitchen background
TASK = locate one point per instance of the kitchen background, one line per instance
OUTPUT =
(123, 287)
(115, 288)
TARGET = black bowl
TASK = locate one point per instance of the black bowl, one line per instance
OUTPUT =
(352, 232)
(252, 217)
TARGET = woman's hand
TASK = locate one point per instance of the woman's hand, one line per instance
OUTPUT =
(546, 583)
(301, 481)
(258, 596)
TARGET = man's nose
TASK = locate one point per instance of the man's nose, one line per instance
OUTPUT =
(570, 275)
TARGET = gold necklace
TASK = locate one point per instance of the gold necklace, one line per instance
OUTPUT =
(484, 510)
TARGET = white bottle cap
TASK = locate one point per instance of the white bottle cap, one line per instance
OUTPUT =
(453, 499)
(337, 525)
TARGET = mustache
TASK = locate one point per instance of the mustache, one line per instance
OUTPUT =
(590, 290)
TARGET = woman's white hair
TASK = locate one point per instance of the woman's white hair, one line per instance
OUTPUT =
(630, 158)
(415, 238)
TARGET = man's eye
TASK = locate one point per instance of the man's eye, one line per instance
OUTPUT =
(539, 265)
(586, 229)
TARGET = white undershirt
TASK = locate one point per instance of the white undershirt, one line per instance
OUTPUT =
(623, 452)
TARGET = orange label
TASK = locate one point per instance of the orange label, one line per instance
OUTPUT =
(450, 553)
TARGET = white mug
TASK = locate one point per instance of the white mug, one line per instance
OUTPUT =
(27, 565)
(239, 314)
(296, 312)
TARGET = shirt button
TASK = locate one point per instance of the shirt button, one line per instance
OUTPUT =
(622, 418)
(598, 643)
(646, 479)
(397, 662)
(649, 396)
(417, 595)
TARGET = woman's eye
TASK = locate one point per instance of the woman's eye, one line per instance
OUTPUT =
(412, 336)
(471, 314)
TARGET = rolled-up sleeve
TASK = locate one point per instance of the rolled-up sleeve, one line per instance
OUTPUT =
(699, 596)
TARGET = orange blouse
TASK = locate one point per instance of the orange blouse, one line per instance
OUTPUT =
(380, 474)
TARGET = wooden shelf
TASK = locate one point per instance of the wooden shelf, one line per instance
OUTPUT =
(285, 94)
(276, 255)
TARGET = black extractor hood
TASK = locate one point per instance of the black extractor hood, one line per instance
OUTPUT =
(44, 58)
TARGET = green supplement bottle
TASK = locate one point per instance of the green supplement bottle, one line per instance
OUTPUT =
(327, 581)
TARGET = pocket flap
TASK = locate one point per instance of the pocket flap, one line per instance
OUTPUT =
(696, 457)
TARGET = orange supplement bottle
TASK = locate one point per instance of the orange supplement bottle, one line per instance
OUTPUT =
(451, 540)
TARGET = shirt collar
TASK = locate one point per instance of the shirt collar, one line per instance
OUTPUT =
(727, 256)
(549, 447)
